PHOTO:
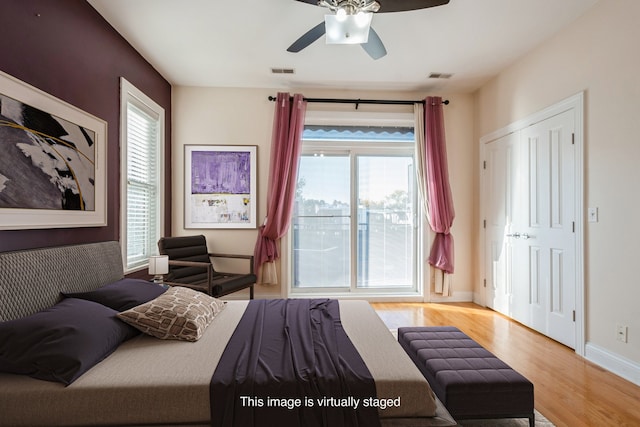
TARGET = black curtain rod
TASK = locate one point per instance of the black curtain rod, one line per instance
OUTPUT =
(362, 101)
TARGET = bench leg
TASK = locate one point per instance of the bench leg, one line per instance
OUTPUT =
(532, 420)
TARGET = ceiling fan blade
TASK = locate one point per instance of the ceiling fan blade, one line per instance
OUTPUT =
(405, 5)
(374, 47)
(313, 2)
(307, 38)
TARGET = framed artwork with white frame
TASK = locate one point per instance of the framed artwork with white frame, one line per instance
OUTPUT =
(53, 167)
(220, 186)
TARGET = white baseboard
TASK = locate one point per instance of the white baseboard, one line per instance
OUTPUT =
(466, 296)
(625, 368)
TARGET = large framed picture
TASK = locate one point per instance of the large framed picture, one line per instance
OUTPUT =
(220, 186)
(53, 162)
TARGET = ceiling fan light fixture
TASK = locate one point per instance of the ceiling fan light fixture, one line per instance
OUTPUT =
(341, 15)
(363, 19)
(372, 6)
(351, 7)
(350, 29)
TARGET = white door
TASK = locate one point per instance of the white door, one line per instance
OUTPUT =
(500, 165)
(529, 237)
(548, 233)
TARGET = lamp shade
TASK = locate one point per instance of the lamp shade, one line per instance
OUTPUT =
(347, 29)
(158, 264)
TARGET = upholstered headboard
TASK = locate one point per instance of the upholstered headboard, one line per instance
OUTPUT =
(32, 280)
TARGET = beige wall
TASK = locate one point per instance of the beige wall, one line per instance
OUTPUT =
(597, 54)
(244, 117)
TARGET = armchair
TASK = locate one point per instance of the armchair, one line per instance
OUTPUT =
(190, 266)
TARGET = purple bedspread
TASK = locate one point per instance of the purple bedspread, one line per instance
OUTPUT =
(290, 363)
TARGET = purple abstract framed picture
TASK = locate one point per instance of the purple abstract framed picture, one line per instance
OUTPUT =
(220, 186)
(53, 162)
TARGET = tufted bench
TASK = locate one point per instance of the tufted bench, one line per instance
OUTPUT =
(469, 380)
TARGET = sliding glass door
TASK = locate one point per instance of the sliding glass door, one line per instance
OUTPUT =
(322, 223)
(354, 223)
(386, 233)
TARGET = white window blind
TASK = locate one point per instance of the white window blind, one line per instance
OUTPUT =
(142, 187)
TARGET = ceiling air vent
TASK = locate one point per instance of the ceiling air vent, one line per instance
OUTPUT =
(440, 75)
(283, 71)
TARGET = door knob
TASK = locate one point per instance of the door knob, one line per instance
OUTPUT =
(516, 235)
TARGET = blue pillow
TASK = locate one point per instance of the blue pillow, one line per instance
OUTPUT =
(123, 294)
(62, 342)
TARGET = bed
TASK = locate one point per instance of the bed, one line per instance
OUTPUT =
(147, 381)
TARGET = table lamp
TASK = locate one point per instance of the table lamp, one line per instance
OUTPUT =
(158, 266)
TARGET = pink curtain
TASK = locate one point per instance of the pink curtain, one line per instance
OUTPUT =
(288, 124)
(440, 201)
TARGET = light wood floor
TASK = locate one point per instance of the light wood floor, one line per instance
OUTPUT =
(569, 390)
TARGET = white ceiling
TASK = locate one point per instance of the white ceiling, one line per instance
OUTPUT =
(235, 43)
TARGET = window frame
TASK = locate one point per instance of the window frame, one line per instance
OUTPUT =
(129, 94)
(374, 148)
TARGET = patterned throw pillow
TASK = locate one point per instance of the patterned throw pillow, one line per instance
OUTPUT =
(178, 314)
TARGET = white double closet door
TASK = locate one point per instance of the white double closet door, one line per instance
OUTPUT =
(530, 250)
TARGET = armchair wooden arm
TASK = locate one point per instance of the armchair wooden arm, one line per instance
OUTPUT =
(189, 263)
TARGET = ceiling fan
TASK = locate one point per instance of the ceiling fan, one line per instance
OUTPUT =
(351, 20)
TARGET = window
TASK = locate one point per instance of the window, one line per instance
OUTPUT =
(354, 227)
(142, 136)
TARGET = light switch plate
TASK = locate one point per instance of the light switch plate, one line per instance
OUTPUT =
(592, 214)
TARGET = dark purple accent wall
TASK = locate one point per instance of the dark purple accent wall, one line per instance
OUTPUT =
(65, 48)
